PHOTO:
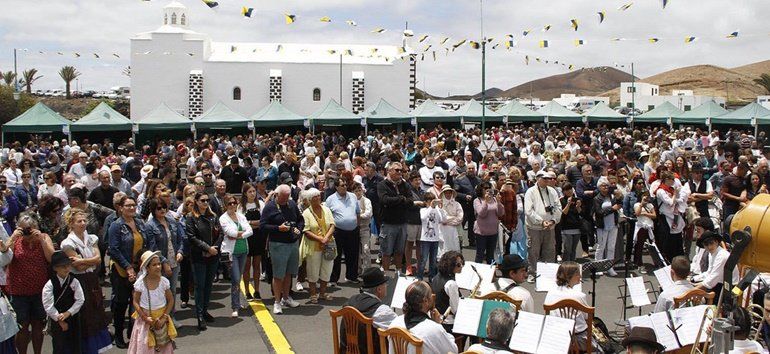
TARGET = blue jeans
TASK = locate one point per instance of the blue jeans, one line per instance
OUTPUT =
(429, 253)
(204, 278)
(236, 271)
(172, 280)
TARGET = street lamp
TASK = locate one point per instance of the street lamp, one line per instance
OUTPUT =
(483, 73)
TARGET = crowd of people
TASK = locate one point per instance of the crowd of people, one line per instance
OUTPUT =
(280, 212)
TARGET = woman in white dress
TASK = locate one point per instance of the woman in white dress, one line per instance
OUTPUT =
(454, 213)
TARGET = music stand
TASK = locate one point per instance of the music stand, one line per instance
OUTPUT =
(595, 267)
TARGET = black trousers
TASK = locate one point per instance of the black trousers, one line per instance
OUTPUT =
(66, 342)
(348, 244)
(122, 290)
(185, 281)
(630, 248)
(469, 216)
(671, 245)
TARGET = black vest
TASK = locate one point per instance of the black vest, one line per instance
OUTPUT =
(63, 296)
(442, 298)
(367, 305)
(703, 205)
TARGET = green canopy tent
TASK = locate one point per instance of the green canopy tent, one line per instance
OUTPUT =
(743, 115)
(473, 111)
(603, 113)
(102, 118)
(332, 114)
(554, 112)
(382, 113)
(220, 116)
(702, 114)
(275, 115)
(38, 119)
(663, 113)
(515, 111)
(430, 112)
(162, 118)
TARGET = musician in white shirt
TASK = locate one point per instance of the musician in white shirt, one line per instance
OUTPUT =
(742, 344)
(680, 269)
(568, 276)
(711, 279)
(514, 270)
(499, 331)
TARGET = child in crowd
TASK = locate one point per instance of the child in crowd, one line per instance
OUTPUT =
(431, 215)
(62, 299)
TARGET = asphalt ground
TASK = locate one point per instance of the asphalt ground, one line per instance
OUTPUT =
(307, 328)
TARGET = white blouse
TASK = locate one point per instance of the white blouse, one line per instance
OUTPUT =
(155, 297)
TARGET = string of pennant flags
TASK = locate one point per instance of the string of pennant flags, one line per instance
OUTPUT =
(433, 46)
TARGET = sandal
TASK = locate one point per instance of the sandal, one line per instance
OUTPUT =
(327, 297)
(313, 299)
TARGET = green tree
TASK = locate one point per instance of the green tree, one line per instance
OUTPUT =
(10, 108)
(764, 81)
(8, 77)
(68, 73)
(28, 78)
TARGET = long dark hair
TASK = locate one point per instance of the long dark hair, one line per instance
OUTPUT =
(195, 212)
(244, 199)
(416, 295)
(448, 262)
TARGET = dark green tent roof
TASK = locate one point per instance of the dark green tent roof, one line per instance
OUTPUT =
(554, 112)
(163, 118)
(275, 114)
(473, 110)
(430, 112)
(514, 110)
(744, 115)
(102, 118)
(603, 113)
(660, 114)
(701, 114)
(383, 112)
(220, 116)
(334, 114)
(38, 119)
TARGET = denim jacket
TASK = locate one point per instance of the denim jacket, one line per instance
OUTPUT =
(156, 231)
(122, 241)
(26, 198)
(628, 204)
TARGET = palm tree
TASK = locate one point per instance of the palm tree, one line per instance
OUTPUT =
(764, 81)
(29, 77)
(8, 77)
(68, 73)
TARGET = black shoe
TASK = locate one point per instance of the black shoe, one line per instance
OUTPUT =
(184, 305)
(208, 317)
(119, 341)
(249, 297)
(257, 296)
(202, 324)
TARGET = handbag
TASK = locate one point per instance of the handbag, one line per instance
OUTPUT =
(161, 334)
(330, 250)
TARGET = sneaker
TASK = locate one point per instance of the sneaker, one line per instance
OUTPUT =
(354, 281)
(585, 255)
(558, 258)
(262, 276)
(332, 285)
(277, 308)
(342, 281)
(289, 302)
(643, 270)
(257, 296)
(299, 286)
(234, 314)
(598, 274)
(611, 272)
(531, 279)
(249, 297)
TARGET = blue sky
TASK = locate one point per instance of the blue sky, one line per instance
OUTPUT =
(104, 27)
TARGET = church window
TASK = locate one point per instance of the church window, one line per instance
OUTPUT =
(184, 20)
(165, 19)
(173, 18)
(316, 94)
(237, 93)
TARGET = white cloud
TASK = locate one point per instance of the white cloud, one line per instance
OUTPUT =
(105, 27)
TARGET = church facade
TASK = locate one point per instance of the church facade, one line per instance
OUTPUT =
(190, 73)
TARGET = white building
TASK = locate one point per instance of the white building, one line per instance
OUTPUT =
(190, 73)
(648, 97)
(764, 101)
(582, 103)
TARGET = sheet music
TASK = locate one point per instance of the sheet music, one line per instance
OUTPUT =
(468, 316)
(640, 321)
(663, 331)
(399, 293)
(526, 333)
(637, 291)
(467, 279)
(556, 336)
(546, 276)
(664, 277)
(689, 318)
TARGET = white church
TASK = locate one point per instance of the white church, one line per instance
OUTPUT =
(190, 73)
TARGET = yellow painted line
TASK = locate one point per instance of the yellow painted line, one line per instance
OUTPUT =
(274, 334)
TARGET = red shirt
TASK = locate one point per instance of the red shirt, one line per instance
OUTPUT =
(28, 272)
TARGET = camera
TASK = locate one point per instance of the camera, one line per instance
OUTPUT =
(27, 231)
(549, 209)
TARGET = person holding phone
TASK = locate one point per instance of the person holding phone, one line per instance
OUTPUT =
(202, 231)
(488, 213)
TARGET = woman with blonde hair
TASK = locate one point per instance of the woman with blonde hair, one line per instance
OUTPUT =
(317, 248)
(83, 249)
(652, 163)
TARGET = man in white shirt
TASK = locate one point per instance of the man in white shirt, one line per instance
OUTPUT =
(514, 270)
(542, 211)
(79, 169)
(369, 303)
(680, 269)
(535, 155)
(426, 173)
(711, 279)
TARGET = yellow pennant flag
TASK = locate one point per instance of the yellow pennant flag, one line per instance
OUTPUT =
(351, 22)
(443, 40)
(579, 42)
(544, 44)
(379, 30)
(423, 38)
(653, 40)
(474, 45)
(326, 19)
(427, 48)
(290, 18)
(574, 24)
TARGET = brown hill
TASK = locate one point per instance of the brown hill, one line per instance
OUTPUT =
(585, 82)
(735, 84)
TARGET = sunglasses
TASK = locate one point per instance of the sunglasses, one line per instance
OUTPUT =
(161, 208)
(204, 200)
(201, 184)
(208, 175)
